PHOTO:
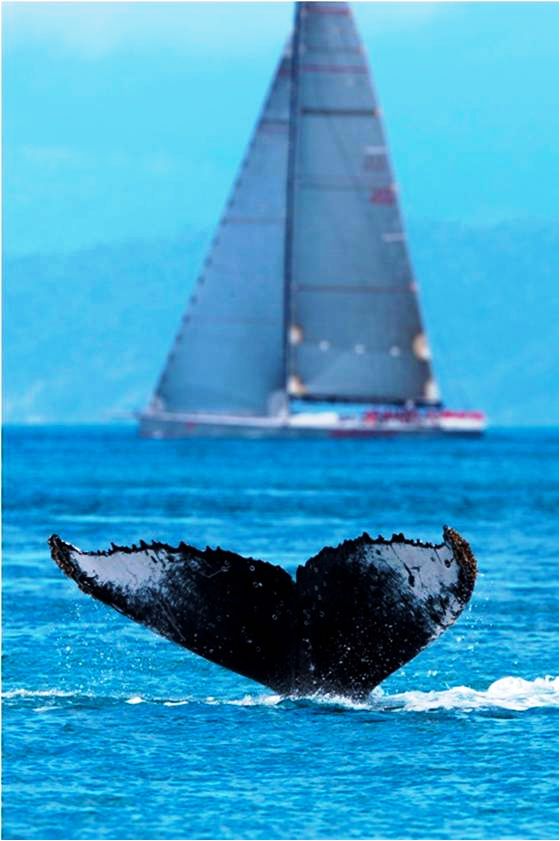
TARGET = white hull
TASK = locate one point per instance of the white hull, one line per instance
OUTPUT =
(311, 425)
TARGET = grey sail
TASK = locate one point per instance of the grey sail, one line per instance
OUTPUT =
(308, 290)
(228, 356)
(355, 327)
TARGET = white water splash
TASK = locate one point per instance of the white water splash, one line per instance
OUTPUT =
(507, 693)
(38, 693)
(258, 701)
(510, 693)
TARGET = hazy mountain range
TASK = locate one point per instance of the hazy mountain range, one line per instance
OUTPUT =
(86, 333)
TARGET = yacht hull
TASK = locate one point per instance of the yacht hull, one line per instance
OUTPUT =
(308, 426)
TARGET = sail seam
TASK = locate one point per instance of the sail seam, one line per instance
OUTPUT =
(357, 289)
(350, 186)
(217, 320)
(334, 68)
(339, 112)
(252, 220)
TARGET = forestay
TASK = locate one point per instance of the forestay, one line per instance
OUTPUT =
(355, 327)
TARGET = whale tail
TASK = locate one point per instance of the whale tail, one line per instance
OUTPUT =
(352, 616)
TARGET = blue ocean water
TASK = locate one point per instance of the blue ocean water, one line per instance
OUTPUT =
(111, 732)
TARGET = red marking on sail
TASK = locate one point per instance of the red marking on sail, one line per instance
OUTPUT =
(383, 195)
(333, 68)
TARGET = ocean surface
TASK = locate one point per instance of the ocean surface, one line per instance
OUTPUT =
(112, 732)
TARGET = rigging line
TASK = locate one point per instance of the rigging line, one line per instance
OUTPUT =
(290, 196)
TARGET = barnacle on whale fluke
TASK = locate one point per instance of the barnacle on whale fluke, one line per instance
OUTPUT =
(354, 613)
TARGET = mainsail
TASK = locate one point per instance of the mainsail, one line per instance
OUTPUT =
(307, 291)
(228, 356)
(355, 328)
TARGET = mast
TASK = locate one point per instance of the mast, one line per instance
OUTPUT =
(290, 195)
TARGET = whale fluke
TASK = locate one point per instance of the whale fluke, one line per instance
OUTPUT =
(352, 616)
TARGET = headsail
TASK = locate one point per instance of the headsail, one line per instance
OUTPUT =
(355, 328)
(228, 354)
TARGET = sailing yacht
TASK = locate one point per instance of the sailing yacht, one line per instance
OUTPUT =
(305, 319)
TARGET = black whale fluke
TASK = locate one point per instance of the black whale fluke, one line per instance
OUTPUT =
(353, 614)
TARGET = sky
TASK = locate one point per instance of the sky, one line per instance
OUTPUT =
(123, 128)
(126, 121)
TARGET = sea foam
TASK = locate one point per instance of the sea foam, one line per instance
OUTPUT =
(507, 693)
